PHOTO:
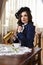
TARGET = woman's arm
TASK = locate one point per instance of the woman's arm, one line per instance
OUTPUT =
(29, 38)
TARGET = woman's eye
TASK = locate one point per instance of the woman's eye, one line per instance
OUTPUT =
(25, 15)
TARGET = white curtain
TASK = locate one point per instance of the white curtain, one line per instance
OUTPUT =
(13, 6)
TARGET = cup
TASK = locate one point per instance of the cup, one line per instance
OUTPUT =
(16, 45)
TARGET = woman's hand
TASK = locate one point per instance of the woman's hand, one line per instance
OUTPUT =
(19, 29)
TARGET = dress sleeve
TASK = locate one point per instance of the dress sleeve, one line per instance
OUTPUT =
(30, 33)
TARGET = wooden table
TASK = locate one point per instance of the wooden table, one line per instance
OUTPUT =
(19, 59)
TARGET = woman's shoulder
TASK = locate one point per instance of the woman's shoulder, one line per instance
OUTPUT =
(31, 28)
(31, 25)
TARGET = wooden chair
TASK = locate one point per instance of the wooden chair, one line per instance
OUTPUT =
(37, 59)
(38, 40)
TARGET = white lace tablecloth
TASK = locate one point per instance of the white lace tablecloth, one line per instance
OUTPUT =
(11, 50)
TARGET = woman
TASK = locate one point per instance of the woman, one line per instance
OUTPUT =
(25, 29)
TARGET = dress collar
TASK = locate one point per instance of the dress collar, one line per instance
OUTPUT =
(24, 24)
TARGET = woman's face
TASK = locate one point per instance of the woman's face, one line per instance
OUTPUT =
(24, 17)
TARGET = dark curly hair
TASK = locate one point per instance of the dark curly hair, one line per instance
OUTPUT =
(27, 10)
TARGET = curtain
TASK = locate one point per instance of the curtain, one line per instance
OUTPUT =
(12, 6)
